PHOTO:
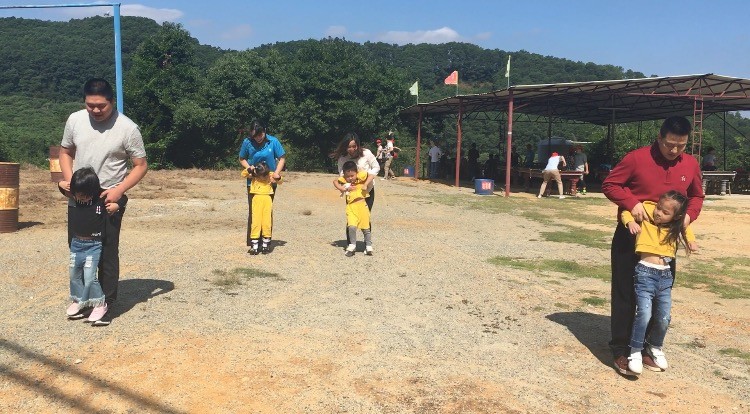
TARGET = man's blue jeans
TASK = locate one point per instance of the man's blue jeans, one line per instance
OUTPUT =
(84, 264)
(653, 297)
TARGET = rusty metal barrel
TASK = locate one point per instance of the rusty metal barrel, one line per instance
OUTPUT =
(9, 180)
(54, 164)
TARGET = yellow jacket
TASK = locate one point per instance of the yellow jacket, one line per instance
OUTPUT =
(259, 185)
(651, 238)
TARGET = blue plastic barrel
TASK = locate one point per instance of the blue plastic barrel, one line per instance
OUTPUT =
(483, 186)
(408, 171)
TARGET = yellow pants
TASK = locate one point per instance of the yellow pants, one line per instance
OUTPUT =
(358, 215)
(261, 210)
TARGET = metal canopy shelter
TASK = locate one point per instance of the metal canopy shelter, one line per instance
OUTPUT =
(600, 103)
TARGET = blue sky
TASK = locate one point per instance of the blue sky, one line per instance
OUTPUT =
(654, 37)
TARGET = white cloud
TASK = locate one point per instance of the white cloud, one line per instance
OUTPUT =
(483, 36)
(442, 35)
(160, 15)
(240, 32)
(335, 31)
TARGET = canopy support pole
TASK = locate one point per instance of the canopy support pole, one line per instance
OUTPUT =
(458, 139)
(417, 161)
(509, 143)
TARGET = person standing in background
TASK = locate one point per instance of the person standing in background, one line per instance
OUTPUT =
(552, 171)
(435, 153)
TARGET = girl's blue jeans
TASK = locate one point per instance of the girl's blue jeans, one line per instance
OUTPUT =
(653, 296)
(84, 264)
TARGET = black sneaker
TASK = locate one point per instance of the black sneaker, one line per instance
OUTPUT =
(265, 249)
(253, 251)
(83, 313)
(349, 253)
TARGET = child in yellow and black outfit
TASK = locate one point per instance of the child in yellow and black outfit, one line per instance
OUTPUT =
(354, 185)
(262, 207)
(657, 239)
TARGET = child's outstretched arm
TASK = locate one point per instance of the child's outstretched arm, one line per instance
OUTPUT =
(629, 222)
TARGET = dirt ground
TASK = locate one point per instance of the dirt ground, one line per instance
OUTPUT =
(426, 325)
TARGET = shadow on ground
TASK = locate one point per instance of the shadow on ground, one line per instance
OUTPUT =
(590, 329)
(134, 291)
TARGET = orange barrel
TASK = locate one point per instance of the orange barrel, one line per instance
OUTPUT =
(54, 164)
(9, 179)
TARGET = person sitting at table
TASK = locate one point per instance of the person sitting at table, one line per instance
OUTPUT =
(709, 161)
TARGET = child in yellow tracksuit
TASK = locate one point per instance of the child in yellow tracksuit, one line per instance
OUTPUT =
(354, 185)
(262, 207)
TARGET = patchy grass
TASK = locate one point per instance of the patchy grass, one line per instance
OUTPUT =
(727, 277)
(546, 266)
(235, 277)
(590, 238)
(733, 352)
(594, 301)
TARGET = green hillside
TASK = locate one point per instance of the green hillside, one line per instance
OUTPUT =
(192, 100)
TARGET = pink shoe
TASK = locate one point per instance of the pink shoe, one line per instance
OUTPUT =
(73, 309)
(98, 312)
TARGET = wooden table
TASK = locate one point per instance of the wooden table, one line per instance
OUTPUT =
(570, 176)
(718, 176)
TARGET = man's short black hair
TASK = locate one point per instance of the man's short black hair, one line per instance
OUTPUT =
(99, 87)
(677, 125)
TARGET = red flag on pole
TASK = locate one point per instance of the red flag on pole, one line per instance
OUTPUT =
(452, 79)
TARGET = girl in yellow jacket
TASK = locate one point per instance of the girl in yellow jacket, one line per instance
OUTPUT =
(657, 239)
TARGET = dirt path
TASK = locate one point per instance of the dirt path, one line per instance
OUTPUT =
(426, 325)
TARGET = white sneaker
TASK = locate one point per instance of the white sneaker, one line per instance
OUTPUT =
(368, 250)
(561, 197)
(538, 196)
(658, 355)
(635, 362)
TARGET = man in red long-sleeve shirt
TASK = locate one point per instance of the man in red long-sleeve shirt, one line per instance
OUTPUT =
(645, 174)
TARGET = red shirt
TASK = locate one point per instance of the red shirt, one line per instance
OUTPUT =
(644, 174)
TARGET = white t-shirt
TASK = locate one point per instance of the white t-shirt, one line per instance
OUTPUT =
(435, 154)
(104, 146)
(552, 163)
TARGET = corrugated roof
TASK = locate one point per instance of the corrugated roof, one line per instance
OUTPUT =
(595, 102)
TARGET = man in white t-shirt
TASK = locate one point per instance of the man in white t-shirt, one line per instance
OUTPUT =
(435, 153)
(105, 140)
